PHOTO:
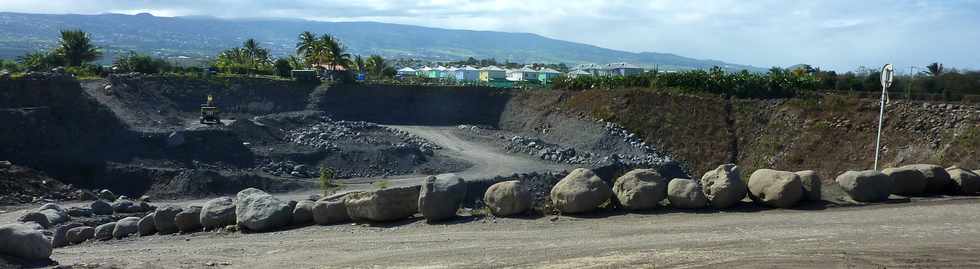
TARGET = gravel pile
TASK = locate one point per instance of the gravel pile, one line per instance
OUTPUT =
(330, 135)
(288, 169)
(562, 154)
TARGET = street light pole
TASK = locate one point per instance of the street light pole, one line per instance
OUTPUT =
(887, 75)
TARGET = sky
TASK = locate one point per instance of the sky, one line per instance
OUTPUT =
(831, 34)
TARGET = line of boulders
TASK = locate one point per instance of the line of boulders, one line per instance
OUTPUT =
(440, 197)
(51, 225)
(583, 191)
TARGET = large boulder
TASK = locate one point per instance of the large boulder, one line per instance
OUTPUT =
(441, 196)
(100, 207)
(775, 188)
(866, 186)
(383, 205)
(328, 211)
(147, 225)
(104, 231)
(259, 211)
(189, 220)
(126, 206)
(23, 241)
(218, 213)
(60, 238)
(723, 187)
(126, 227)
(507, 198)
(163, 219)
(964, 181)
(35, 217)
(686, 193)
(54, 213)
(78, 235)
(79, 212)
(812, 185)
(907, 180)
(640, 189)
(55, 217)
(107, 195)
(303, 212)
(579, 192)
(937, 179)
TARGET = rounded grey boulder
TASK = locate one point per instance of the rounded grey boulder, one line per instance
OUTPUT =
(685, 193)
(23, 241)
(775, 188)
(78, 235)
(303, 212)
(937, 179)
(383, 205)
(61, 234)
(147, 225)
(441, 196)
(723, 187)
(218, 213)
(640, 189)
(907, 180)
(259, 211)
(35, 217)
(100, 207)
(328, 211)
(964, 181)
(189, 220)
(812, 185)
(104, 231)
(107, 195)
(866, 186)
(579, 192)
(507, 198)
(126, 227)
(126, 206)
(163, 219)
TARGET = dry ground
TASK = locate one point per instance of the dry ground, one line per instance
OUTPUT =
(933, 233)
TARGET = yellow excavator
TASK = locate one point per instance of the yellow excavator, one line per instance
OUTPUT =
(209, 112)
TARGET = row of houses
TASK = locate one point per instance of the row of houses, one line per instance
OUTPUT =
(613, 70)
(485, 74)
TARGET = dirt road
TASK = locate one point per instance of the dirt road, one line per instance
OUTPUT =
(918, 234)
(487, 160)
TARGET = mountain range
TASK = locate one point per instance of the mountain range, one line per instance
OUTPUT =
(203, 37)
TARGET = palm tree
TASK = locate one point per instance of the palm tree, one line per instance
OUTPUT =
(935, 69)
(295, 62)
(376, 65)
(307, 46)
(76, 47)
(334, 52)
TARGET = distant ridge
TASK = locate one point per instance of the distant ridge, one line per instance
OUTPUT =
(202, 36)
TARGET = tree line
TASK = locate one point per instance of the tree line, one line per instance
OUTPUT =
(934, 80)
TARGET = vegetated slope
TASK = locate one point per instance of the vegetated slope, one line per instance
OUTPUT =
(201, 37)
(829, 134)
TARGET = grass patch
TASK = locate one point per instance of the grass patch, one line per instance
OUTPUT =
(327, 184)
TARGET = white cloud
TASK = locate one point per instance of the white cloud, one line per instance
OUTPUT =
(834, 34)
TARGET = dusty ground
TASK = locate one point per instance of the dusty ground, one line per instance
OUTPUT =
(929, 233)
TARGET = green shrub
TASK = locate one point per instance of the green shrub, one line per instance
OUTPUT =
(327, 185)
